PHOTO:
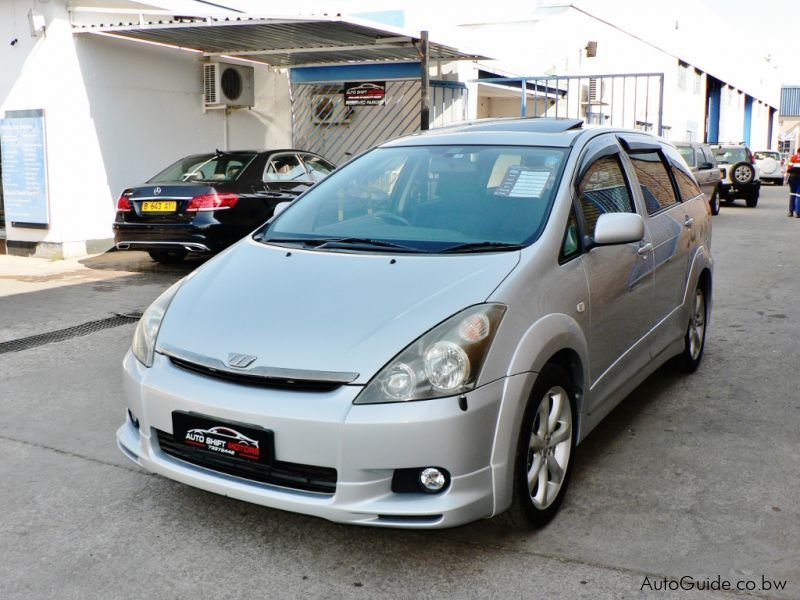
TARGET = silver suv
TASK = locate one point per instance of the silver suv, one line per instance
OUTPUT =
(422, 339)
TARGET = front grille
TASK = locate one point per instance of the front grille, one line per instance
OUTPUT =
(256, 380)
(308, 478)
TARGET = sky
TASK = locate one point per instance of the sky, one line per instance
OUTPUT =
(757, 28)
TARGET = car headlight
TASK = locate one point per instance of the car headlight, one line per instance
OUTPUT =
(144, 338)
(443, 362)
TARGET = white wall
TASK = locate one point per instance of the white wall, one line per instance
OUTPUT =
(117, 112)
(555, 42)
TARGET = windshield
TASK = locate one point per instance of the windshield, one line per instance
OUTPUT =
(206, 167)
(730, 155)
(428, 199)
(688, 154)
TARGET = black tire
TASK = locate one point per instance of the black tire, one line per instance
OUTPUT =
(714, 202)
(523, 512)
(167, 257)
(694, 342)
(752, 200)
(742, 173)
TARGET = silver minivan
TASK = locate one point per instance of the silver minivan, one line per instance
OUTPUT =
(422, 339)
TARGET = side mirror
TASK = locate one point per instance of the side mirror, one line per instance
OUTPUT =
(279, 208)
(618, 228)
(705, 166)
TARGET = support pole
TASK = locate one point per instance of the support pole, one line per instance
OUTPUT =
(425, 102)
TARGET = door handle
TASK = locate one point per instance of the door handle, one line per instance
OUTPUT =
(688, 222)
(645, 249)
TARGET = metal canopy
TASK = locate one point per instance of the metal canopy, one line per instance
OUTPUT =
(282, 42)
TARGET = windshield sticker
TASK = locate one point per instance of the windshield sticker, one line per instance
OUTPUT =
(521, 182)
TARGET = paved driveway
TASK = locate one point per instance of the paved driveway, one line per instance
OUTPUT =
(693, 477)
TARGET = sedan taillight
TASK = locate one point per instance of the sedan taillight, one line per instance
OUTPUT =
(124, 205)
(213, 201)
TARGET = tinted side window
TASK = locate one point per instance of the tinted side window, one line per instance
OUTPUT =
(709, 156)
(655, 181)
(317, 167)
(700, 158)
(603, 189)
(686, 184)
(285, 167)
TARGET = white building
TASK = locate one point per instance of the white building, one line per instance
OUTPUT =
(711, 91)
(98, 99)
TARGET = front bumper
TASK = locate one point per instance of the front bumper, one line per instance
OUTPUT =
(364, 443)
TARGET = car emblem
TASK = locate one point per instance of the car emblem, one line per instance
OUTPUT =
(240, 361)
(156, 191)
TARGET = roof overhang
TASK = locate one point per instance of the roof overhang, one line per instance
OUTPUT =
(281, 41)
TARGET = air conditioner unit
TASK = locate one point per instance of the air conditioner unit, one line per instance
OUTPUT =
(226, 85)
(329, 109)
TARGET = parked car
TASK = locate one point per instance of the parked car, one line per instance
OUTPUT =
(422, 339)
(738, 173)
(704, 167)
(771, 166)
(205, 202)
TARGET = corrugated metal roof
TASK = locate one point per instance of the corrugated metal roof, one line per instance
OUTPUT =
(790, 101)
(281, 42)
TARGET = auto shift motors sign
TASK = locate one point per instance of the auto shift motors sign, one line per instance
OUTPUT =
(226, 439)
(365, 93)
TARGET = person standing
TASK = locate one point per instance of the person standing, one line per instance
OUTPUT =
(793, 178)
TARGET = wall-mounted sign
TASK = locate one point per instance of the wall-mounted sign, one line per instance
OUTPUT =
(365, 93)
(22, 143)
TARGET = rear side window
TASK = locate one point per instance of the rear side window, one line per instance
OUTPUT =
(286, 167)
(687, 185)
(603, 189)
(709, 156)
(687, 152)
(654, 180)
(318, 168)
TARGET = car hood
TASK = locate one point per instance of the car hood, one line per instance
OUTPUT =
(323, 311)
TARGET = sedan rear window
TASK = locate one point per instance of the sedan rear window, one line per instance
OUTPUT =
(210, 168)
(431, 198)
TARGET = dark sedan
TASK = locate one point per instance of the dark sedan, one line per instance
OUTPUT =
(206, 202)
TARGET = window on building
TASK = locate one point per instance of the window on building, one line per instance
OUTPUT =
(682, 69)
(698, 81)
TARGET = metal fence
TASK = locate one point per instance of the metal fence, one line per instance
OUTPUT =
(632, 100)
(323, 124)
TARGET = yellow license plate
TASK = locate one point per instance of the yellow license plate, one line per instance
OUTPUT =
(165, 206)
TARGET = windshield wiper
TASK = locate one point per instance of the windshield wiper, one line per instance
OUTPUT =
(330, 242)
(480, 247)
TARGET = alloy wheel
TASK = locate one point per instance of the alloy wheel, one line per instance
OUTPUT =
(549, 447)
(697, 324)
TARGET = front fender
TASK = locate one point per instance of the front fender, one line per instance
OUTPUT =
(554, 334)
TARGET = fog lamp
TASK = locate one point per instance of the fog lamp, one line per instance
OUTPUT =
(432, 479)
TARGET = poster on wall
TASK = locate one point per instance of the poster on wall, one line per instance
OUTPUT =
(365, 93)
(23, 156)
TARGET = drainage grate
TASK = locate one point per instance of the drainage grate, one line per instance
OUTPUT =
(68, 333)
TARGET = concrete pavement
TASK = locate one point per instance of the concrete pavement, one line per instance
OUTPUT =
(692, 476)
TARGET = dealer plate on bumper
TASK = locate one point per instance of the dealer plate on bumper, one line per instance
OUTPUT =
(222, 438)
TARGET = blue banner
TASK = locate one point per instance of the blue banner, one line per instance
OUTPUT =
(22, 152)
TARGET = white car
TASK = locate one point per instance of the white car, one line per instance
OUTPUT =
(771, 166)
